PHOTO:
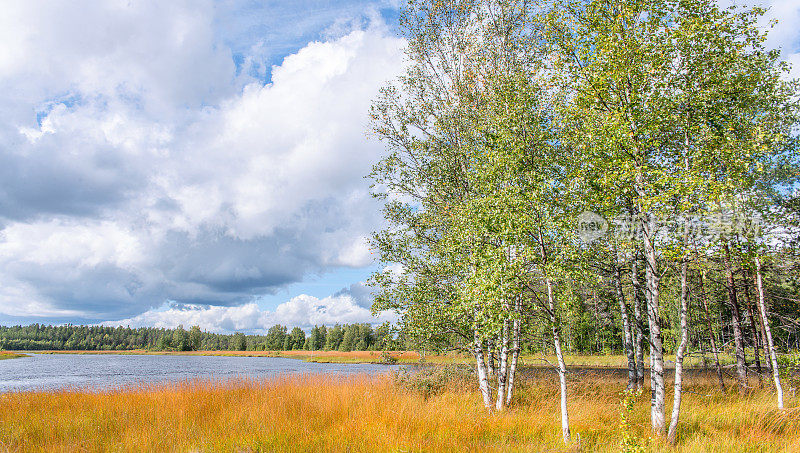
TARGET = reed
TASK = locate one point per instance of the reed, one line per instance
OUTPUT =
(375, 413)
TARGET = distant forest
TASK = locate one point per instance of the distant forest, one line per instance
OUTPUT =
(348, 337)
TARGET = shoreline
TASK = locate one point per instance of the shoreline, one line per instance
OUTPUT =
(4, 355)
(604, 362)
(367, 357)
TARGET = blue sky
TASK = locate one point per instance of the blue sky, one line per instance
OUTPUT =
(197, 162)
(279, 28)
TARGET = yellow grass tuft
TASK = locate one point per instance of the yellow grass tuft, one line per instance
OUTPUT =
(372, 413)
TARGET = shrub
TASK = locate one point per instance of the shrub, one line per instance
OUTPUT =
(789, 366)
(388, 358)
(630, 443)
(433, 380)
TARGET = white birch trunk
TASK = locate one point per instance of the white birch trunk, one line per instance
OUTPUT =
(514, 352)
(676, 402)
(562, 368)
(490, 357)
(762, 308)
(657, 389)
(483, 379)
(637, 315)
(502, 369)
(763, 331)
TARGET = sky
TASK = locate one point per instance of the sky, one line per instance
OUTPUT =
(198, 162)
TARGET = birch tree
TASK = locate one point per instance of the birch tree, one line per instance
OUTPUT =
(449, 179)
(762, 310)
(676, 107)
(609, 54)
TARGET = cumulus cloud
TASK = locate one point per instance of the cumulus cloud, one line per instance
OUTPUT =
(361, 294)
(302, 311)
(138, 164)
(784, 35)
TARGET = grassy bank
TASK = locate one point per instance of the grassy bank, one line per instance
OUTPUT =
(10, 355)
(319, 413)
(309, 356)
(602, 361)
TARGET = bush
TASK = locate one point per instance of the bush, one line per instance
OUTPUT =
(789, 366)
(433, 380)
(388, 358)
(630, 443)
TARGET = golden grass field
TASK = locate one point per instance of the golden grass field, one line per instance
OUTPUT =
(363, 413)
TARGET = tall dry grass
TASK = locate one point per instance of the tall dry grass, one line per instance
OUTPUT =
(363, 413)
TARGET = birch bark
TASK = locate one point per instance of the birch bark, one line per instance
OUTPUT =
(483, 380)
(637, 315)
(502, 370)
(562, 369)
(515, 350)
(657, 389)
(678, 388)
(762, 308)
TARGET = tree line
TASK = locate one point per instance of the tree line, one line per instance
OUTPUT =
(344, 337)
(591, 173)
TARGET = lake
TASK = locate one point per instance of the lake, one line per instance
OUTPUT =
(104, 371)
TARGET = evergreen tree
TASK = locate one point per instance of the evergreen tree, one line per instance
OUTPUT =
(334, 338)
(238, 342)
(297, 339)
(276, 337)
(195, 338)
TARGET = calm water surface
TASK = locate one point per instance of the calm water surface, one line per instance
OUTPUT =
(99, 372)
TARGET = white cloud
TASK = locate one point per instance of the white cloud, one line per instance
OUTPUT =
(137, 166)
(73, 244)
(163, 55)
(302, 311)
(356, 254)
(245, 317)
(283, 145)
(785, 35)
